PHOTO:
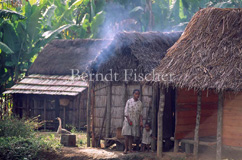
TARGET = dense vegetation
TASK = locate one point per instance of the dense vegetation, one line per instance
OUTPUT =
(18, 140)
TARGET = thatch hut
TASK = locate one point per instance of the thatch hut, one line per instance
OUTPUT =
(129, 56)
(49, 89)
(206, 64)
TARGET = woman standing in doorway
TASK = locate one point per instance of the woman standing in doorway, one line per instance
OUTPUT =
(133, 120)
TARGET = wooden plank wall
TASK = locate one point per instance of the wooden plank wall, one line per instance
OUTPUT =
(83, 108)
(99, 108)
(33, 105)
(186, 114)
(232, 120)
(117, 107)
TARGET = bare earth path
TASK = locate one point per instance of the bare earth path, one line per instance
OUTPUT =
(75, 153)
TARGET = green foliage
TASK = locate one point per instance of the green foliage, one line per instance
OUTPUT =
(10, 14)
(13, 127)
(71, 128)
(96, 22)
(18, 148)
(5, 48)
(81, 139)
(49, 142)
(18, 140)
(24, 37)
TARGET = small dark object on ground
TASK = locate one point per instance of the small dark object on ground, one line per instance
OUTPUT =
(68, 140)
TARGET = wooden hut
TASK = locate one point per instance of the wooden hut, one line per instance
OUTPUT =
(129, 52)
(206, 64)
(49, 89)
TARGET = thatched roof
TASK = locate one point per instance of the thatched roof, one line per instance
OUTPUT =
(133, 50)
(50, 74)
(60, 56)
(48, 85)
(209, 53)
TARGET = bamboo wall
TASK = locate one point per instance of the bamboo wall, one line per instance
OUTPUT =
(120, 93)
(232, 120)
(186, 114)
(49, 107)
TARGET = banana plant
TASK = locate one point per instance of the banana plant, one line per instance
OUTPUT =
(22, 36)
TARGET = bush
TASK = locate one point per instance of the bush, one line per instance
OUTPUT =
(19, 141)
(13, 127)
(18, 148)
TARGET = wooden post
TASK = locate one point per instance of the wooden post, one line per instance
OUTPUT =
(108, 118)
(35, 107)
(125, 98)
(176, 145)
(23, 107)
(141, 94)
(219, 125)
(154, 114)
(64, 117)
(57, 110)
(196, 135)
(73, 112)
(160, 122)
(92, 108)
(79, 112)
(27, 106)
(45, 103)
(88, 112)
(176, 141)
(14, 105)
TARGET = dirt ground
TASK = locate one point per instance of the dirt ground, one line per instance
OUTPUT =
(83, 153)
(78, 153)
(74, 153)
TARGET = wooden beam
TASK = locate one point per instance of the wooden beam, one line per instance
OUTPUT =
(108, 118)
(219, 125)
(154, 114)
(190, 141)
(51, 84)
(196, 135)
(47, 90)
(88, 112)
(160, 122)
